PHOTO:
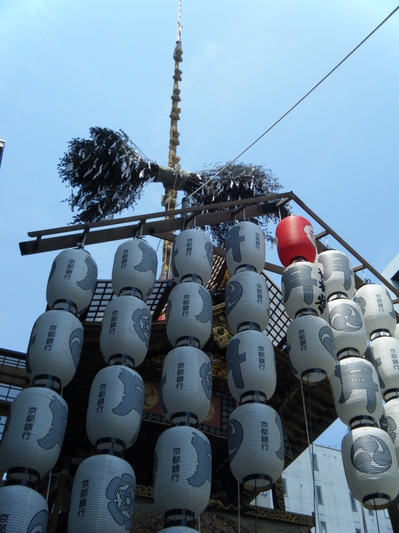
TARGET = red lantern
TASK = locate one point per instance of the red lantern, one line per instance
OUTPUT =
(295, 240)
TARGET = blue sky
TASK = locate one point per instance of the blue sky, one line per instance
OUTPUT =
(68, 65)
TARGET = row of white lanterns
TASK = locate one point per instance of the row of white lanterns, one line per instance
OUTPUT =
(341, 331)
(255, 436)
(183, 456)
(37, 420)
(105, 484)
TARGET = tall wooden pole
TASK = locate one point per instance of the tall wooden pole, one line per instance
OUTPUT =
(169, 200)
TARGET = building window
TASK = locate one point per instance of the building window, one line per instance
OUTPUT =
(323, 527)
(386, 513)
(357, 530)
(353, 503)
(284, 486)
(315, 463)
(319, 495)
(371, 512)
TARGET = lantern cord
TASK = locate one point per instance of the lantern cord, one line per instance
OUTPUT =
(310, 448)
(297, 103)
(239, 507)
(256, 511)
(48, 486)
(364, 519)
(378, 523)
(328, 247)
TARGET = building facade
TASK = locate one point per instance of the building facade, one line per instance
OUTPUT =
(328, 497)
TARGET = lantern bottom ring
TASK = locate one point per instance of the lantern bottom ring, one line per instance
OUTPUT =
(48, 381)
(348, 352)
(111, 446)
(131, 291)
(180, 517)
(188, 341)
(390, 394)
(18, 475)
(192, 277)
(379, 333)
(297, 259)
(122, 359)
(244, 326)
(337, 296)
(65, 305)
(240, 268)
(362, 421)
(257, 481)
(184, 418)
(369, 501)
(306, 311)
(313, 375)
(253, 396)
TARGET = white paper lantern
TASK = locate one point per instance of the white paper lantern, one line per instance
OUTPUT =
(390, 422)
(303, 289)
(72, 281)
(371, 468)
(356, 392)
(186, 385)
(247, 302)
(135, 269)
(125, 331)
(245, 248)
(182, 473)
(34, 434)
(310, 348)
(54, 347)
(251, 366)
(115, 407)
(102, 496)
(256, 445)
(383, 353)
(22, 509)
(348, 327)
(377, 308)
(337, 273)
(396, 332)
(189, 315)
(192, 256)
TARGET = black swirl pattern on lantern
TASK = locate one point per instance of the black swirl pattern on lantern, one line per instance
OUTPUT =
(370, 454)
(389, 425)
(344, 317)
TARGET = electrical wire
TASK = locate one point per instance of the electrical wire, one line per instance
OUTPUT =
(310, 448)
(296, 104)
